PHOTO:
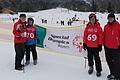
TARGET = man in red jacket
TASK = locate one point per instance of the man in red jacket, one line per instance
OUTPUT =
(92, 41)
(112, 47)
(19, 40)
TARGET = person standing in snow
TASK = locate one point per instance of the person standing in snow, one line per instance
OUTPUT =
(31, 42)
(92, 42)
(19, 41)
(112, 47)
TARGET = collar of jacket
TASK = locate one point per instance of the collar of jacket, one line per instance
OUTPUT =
(20, 22)
(110, 24)
(96, 24)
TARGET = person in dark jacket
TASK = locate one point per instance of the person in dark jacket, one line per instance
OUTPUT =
(31, 42)
(112, 47)
(92, 41)
(19, 40)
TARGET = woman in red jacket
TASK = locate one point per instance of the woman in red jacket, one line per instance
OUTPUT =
(92, 41)
(112, 47)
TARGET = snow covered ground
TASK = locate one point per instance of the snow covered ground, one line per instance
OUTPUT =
(51, 66)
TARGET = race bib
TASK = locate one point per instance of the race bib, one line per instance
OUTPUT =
(92, 37)
(30, 35)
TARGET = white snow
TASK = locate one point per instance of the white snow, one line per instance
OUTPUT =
(58, 14)
(51, 66)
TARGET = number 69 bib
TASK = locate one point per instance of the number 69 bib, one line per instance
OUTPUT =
(92, 37)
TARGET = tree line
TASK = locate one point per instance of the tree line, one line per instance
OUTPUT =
(77, 5)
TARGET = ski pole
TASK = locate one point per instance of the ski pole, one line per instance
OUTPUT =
(85, 61)
(85, 57)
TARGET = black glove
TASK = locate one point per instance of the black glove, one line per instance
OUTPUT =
(84, 46)
(100, 47)
(38, 41)
(119, 47)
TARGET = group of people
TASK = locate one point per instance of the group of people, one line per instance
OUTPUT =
(93, 40)
(24, 41)
(44, 21)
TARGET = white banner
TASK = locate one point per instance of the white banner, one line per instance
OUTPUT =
(68, 40)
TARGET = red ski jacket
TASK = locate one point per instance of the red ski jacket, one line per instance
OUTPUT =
(31, 33)
(112, 35)
(93, 35)
(18, 30)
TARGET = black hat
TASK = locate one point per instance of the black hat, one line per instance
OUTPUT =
(30, 19)
(22, 15)
(92, 15)
(111, 15)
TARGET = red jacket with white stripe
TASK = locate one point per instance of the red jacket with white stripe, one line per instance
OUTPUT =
(112, 35)
(18, 30)
(93, 35)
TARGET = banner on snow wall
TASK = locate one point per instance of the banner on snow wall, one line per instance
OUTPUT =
(66, 40)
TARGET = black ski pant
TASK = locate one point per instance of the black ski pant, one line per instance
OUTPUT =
(93, 54)
(31, 48)
(113, 61)
(20, 50)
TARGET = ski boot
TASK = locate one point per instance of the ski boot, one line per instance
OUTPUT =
(27, 63)
(35, 62)
(111, 77)
(90, 71)
(98, 74)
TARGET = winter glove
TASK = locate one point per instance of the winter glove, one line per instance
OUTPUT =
(119, 47)
(38, 41)
(100, 47)
(84, 46)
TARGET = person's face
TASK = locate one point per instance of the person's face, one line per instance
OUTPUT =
(92, 19)
(23, 19)
(110, 19)
(30, 22)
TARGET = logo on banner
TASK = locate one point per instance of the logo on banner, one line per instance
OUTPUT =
(77, 43)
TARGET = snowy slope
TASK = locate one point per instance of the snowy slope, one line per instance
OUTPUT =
(58, 14)
(51, 66)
